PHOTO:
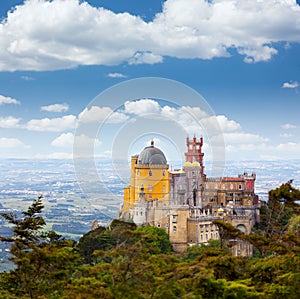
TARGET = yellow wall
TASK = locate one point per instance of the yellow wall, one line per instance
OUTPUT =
(156, 185)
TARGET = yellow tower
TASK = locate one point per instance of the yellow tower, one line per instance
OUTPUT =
(149, 180)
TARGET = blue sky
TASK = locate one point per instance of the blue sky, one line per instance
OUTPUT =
(241, 56)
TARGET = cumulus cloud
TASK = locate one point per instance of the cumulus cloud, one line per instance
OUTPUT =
(12, 143)
(101, 114)
(52, 125)
(243, 138)
(141, 107)
(289, 147)
(9, 122)
(292, 84)
(286, 135)
(63, 140)
(29, 39)
(8, 100)
(67, 140)
(227, 125)
(189, 118)
(56, 108)
(116, 75)
(288, 126)
(145, 58)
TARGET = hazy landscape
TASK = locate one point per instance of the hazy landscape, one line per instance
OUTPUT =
(70, 211)
(66, 203)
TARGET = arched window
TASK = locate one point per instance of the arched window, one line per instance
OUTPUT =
(150, 173)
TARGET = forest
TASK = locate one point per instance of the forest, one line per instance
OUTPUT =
(125, 261)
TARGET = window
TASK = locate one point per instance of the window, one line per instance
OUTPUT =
(138, 173)
(163, 173)
(150, 195)
(174, 218)
(240, 187)
(231, 186)
(158, 224)
(150, 188)
(163, 188)
(174, 228)
(141, 213)
(150, 173)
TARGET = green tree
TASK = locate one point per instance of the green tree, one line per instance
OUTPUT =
(277, 212)
(43, 261)
(155, 239)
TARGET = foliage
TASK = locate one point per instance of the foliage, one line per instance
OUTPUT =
(123, 261)
(277, 212)
(156, 239)
(42, 259)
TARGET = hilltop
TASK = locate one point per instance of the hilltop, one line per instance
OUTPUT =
(123, 261)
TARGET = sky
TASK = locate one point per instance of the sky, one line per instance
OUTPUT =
(62, 60)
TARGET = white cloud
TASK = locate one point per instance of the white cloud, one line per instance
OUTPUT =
(141, 107)
(289, 147)
(56, 108)
(226, 124)
(286, 135)
(8, 100)
(292, 84)
(30, 39)
(67, 140)
(261, 53)
(9, 122)
(52, 125)
(193, 119)
(101, 114)
(116, 75)
(63, 140)
(190, 118)
(288, 126)
(145, 57)
(12, 143)
(243, 138)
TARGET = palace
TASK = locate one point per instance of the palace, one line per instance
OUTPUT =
(185, 202)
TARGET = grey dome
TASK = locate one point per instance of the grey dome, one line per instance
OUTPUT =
(152, 155)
